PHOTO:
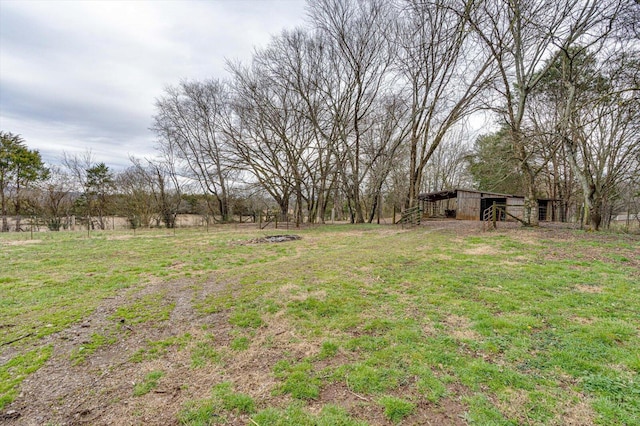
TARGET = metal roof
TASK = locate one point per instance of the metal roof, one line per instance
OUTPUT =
(453, 193)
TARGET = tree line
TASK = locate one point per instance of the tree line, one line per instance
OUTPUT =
(372, 102)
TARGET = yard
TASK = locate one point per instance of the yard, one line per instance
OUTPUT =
(349, 325)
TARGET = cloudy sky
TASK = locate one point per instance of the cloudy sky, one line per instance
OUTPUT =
(84, 75)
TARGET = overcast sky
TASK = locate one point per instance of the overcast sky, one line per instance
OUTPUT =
(79, 75)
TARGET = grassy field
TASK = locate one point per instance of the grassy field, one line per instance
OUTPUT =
(350, 325)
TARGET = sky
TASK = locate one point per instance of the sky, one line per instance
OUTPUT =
(84, 75)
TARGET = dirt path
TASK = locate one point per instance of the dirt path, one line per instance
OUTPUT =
(100, 390)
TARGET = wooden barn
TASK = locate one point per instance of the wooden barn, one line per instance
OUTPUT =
(468, 204)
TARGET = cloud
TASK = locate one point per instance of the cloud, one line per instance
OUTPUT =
(85, 75)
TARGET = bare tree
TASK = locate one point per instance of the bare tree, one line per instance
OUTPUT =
(301, 61)
(189, 118)
(56, 198)
(264, 130)
(443, 75)
(77, 166)
(447, 167)
(360, 55)
(135, 187)
(600, 127)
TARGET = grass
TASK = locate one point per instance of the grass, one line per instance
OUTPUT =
(517, 327)
(396, 409)
(79, 355)
(149, 383)
(17, 369)
(212, 410)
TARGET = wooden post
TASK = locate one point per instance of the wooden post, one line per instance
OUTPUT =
(493, 215)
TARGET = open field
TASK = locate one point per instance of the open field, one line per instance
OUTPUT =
(350, 325)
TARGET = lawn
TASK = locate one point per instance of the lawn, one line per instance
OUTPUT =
(350, 325)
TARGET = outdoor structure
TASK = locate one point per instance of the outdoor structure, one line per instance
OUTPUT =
(469, 204)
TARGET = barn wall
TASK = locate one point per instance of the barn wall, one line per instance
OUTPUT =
(515, 206)
(439, 208)
(468, 205)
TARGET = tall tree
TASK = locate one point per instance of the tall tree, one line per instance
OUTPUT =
(360, 55)
(443, 74)
(493, 164)
(20, 167)
(599, 123)
(56, 198)
(100, 186)
(189, 117)
(524, 37)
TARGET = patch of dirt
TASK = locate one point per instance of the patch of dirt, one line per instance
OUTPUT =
(460, 327)
(514, 406)
(20, 242)
(482, 249)
(119, 237)
(272, 239)
(583, 288)
(578, 414)
(583, 320)
(100, 390)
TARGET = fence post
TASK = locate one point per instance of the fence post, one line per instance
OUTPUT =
(493, 215)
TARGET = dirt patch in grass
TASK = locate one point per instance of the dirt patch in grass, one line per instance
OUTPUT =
(271, 239)
(20, 242)
(460, 328)
(578, 414)
(119, 237)
(583, 320)
(593, 289)
(482, 249)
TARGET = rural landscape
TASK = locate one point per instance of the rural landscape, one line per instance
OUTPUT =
(441, 324)
(400, 212)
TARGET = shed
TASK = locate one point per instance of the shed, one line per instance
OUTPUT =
(468, 204)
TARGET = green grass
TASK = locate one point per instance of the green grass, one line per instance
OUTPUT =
(298, 380)
(204, 353)
(17, 369)
(213, 410)
(151, 307)
(149, 383)
(296, 415)
(159, 348)
(396, 409)
(515, 327)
